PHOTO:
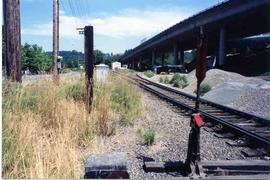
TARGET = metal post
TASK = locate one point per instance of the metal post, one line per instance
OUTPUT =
(13, 39)
(222, 47)
(55, 39)
(175, 53)
(89, 64)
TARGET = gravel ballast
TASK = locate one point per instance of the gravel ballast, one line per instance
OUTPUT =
(247, 94)
(172, 129)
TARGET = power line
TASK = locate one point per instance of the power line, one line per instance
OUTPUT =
(80, 8)
(76, 8)
(71, 8)
(63, 6)
(87, 8)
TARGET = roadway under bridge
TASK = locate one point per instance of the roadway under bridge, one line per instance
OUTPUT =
(225, 22)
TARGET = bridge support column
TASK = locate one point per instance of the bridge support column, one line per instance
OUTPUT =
(181, 56)
(140, 63)
(153, 59)
(133, 64)
(162, 59)
(181, 61)
(222, 47)
(129, 64)
(175, 53)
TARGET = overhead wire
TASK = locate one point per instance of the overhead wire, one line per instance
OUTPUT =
(71, 7)
(88, 8)
(81, 8)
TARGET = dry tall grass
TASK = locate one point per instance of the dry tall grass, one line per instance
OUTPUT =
(46, 128)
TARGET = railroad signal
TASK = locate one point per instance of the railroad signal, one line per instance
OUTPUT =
(88, 33)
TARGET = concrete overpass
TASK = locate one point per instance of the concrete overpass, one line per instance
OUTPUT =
(228, 20)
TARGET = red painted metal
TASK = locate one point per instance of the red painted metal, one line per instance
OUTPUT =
(201, 59)
(198, 120)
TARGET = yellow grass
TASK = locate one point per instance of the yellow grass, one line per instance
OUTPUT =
(47, 130)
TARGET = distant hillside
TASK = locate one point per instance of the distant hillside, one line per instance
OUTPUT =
(72, 58)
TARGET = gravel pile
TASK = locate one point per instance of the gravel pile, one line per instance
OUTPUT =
(248, 94)
(214, 78)
(172, 128)
(255, 102)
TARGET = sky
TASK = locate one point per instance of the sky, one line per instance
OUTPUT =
(118, 24)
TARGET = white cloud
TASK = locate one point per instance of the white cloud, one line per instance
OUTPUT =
(128, 23)
(61, 12)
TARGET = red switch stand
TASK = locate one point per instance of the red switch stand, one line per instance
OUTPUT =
(190, 167)
(198, 120)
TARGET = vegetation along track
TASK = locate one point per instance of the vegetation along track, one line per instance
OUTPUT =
(255, 130)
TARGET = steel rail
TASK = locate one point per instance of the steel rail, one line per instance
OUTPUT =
(187, 101)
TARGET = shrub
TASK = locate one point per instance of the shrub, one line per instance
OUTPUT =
(161, 80)
(149, 137)
(179, 81)
(43, 127)
(204, 88)
(149, 73)
(140, 131)
(166, 80)
(126, 100)
(10, 91)
(76, 91)
(30, 99)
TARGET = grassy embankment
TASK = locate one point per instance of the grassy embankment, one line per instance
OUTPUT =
(47, 130)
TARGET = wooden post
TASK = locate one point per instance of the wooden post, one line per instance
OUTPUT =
(13, 39)
(89, 64)
(55, 39)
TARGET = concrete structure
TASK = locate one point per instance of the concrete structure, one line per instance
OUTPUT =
(116, 65)
(233, 19)
(101, 71)
(106, 166)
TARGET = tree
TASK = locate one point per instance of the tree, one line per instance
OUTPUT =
(99, 56)
(35, 59)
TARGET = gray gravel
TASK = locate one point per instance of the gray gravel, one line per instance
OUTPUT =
(248, 94)
(254, 101)
(172, 128)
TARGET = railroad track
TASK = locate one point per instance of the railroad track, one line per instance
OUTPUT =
(255, 130)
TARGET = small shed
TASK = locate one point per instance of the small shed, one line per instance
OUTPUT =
(116, 65)
(102, 71)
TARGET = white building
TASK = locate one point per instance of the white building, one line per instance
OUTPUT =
(116, 65)
(102, 71)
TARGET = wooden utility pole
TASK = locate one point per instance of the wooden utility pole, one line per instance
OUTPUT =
(89, 64)
(55, 39)
(13, 39)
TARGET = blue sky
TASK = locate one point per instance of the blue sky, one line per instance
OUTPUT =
(118, 24)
